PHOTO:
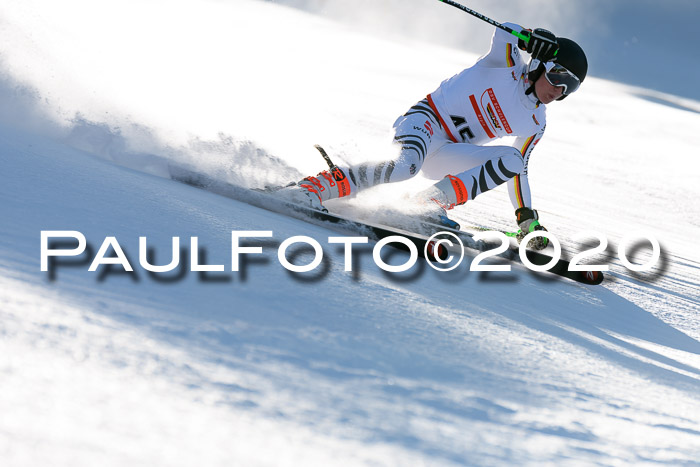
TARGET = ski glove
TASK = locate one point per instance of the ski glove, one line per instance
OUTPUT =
(542, 44)
(528, 222)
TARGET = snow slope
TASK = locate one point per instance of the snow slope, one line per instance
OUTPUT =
(266, 367)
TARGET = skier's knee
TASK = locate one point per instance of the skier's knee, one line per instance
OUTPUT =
(410, 156)
(407, 165)
(406, 169)
(517, 154)
(513, 160)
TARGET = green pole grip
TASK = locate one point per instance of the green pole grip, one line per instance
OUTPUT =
(525, 38)
(520, 36)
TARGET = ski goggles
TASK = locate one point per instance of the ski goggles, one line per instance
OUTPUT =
(559, 76)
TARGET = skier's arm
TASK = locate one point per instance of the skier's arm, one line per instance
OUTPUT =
(504, 52)
(519, 186)
(519, 190)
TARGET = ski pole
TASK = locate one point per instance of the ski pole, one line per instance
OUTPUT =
(517, 34)
(323, 152)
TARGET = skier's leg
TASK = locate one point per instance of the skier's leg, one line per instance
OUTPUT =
(416, 134)
(477, 168)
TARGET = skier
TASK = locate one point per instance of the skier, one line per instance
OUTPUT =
(444, 135)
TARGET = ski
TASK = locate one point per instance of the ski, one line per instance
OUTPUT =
(560, 268)
(377, 232)
(264, 200)
(538, 258)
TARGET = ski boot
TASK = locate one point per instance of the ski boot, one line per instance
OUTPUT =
(314, 191)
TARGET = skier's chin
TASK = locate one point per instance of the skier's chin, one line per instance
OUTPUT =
(547, 93)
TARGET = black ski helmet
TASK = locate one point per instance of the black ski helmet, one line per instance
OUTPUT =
(570, 55)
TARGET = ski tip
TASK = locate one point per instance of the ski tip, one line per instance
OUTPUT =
(591, 277)
(436, 251)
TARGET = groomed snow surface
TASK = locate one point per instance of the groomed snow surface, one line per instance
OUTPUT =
(268, 367)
